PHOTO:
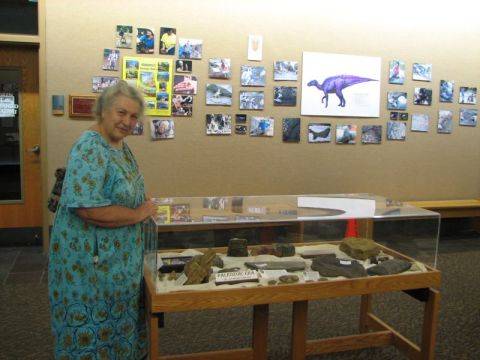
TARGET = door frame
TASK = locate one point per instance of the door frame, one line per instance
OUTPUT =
(40, 42)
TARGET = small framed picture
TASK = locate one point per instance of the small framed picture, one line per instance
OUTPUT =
(261, 126)
(284, 96)
(468, 117)
(396, 73)
(81, 106)
(468, 95)
(445, 120)
(252, 100)
(58, 104)
(319, 132)
(218, 94)
(183, 66)
(291, 129)
(422, 96)
(252, 75)
(219, 124)
(403, 116)
(371, 134)
(285, 70)
(447, 88)
(346, 134)
(219, 68)
(393, 115)
(422, 72)
(420, 122)
(396, 130)
(396, 100)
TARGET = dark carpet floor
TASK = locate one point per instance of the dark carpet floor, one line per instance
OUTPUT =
(25, 327)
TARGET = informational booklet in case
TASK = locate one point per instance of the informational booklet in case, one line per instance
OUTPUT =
(235, 277)
(172, 263)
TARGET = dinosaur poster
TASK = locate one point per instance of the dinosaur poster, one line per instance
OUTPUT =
(340, 85)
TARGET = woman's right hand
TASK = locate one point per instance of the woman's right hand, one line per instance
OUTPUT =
(147, 209)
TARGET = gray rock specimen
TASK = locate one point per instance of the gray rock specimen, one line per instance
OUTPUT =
(389, 267)
(330, 266)
(276, 265)
(237, 247)
(288, 279)
(359, 248)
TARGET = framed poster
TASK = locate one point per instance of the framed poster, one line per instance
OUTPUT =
(81, 106)
(340, 85)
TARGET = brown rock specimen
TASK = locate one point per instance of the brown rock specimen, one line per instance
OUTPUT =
(237, 247)
(198, 269)
(283, 250)
(359, 248)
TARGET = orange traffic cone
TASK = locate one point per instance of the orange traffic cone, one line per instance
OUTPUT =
(352, 229)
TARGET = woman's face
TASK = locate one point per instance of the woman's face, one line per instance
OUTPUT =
(120, 119)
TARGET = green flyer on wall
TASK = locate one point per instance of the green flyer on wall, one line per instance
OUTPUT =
(153, 77)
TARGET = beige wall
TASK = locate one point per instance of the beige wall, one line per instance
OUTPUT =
(424, 166)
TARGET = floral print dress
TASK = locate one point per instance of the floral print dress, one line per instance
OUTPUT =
(95, 274)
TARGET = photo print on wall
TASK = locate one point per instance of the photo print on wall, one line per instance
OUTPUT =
(255, 48)
(446, 90)
(183, 66)
(219, 68)
(340, 85)
(467, 95)
(396, 130)
(422, 72)
(396, 100)
(319, 132)
(261, 126)
(240, 124)
(346, 134)
(422, 96)
(185, 84)
(291, 129)
(285, 70)
(252, 75)
(162, 129)
(168, 40)
(252, 100)
(218, 94)
(110, 59)
(99, 83)
(190, 48)
(219, 124)
(182, 105)
(138, 129)
(420, 122)
(396, 72)
(124, 36)
(145, 41)
(468, 117)
(445, 122)
(284, 96)
(371, 134)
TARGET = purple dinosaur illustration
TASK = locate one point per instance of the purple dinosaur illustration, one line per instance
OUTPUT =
(335, 84)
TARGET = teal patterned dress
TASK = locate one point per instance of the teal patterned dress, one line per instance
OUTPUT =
(95, 274)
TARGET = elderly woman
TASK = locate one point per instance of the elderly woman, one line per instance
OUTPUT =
(96, 248)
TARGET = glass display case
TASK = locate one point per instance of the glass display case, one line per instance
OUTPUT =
(260, 250)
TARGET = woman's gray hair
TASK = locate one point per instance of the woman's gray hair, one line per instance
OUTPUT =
(105, 100)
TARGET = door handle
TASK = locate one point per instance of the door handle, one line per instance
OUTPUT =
(35, 149)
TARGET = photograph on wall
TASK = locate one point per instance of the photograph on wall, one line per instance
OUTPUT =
(467, 95)
(285, 70)
(100, 83)
(124, 36)
(422, 96)
(371, 134)
(396, 130)
(182, 105)
(168, 40)
(445, 121)
(319, 132)
(190, 48)
(346, 134)
(145, 41)
(261, 126)
(219, 68)
(215, 202)
(218, 94)
(185, 84)
(138, 129)
(153, 77)
(468, 117)
(396, 72)
(252, 100)
(219, 124)
(240, 124)
(396, 100)
(284, 96)
(255, 48)
(162, 129)
(422, 72)
(403, 116)
(420, 122)
(393, 115)
(340, 85)
(58, 104)
(291, 129)
(110, 59)
(446, 90)
(180, 213)
(183, 66)
(252, 75)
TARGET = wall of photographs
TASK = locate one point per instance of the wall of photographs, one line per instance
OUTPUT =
(241, 102)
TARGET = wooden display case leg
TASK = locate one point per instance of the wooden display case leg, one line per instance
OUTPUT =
(260, 331)
(299, 330)
(153, 335)
(430, 321)
(365, 310)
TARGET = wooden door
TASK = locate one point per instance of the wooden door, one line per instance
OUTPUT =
(24, 208)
